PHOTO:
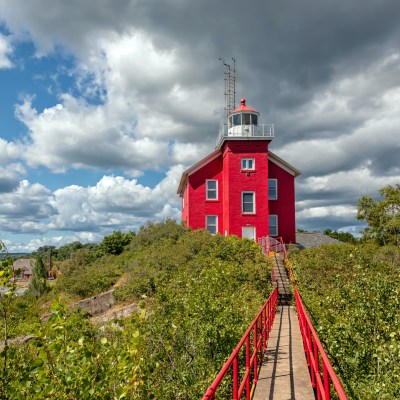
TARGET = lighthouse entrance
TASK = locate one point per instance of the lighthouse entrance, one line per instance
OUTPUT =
(249, 232)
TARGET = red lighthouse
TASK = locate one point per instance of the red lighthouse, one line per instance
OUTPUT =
(241, 188)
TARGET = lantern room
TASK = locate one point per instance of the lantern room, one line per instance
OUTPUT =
(243, 124)
(242, 119)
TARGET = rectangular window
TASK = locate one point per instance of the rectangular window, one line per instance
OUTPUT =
(249, 232)
(273, 225)
(248, 163)
(248, 203)
(272, 189)
(212, 224)
(211, 189)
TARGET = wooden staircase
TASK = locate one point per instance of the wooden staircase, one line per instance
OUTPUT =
(280, 279)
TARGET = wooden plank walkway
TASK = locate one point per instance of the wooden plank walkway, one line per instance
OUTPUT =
(284, 374)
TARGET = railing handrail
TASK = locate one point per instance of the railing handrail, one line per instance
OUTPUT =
(314, 351)
(264, 319)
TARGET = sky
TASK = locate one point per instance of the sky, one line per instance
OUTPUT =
(104, 104)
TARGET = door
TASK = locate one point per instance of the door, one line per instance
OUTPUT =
(249, 232)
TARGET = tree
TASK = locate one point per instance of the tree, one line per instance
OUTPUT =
(382, 216)
(67, 250)
(39, 279)
(115, 243)
(342, 236)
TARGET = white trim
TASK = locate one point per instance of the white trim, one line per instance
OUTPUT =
(276, 189)
(211, 225)
(254, 202)
(216, 189)
(269, 225)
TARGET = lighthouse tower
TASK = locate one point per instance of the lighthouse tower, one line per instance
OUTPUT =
(244, 147)
(241, 188)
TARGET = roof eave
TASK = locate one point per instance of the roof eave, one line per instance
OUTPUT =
(283, 164)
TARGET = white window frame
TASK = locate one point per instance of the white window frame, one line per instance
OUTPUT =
(249, 227)
(216, 189)
(276, 233)
(276, 189)
(254, 202)
(212, 225)
(244, 164)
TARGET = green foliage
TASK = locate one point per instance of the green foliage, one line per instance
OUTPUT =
(344, 237)
(200, 292)
(44, 250)
(39, 286)
(382, 216)
(66, 251)
(87, 279)
(68, 359)
(154, 231)
(353, 296)
(115, 243)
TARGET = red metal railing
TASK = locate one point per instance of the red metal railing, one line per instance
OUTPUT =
(321, 371)
(254, 343)
(271, 245)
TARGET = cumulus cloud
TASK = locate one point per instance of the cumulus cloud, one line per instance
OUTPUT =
(5, 52)
(114, 203)
(26, 208)
(89, 212)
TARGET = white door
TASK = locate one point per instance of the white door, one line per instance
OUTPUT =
(249, 232)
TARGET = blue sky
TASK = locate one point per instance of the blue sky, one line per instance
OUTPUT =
(102, 107)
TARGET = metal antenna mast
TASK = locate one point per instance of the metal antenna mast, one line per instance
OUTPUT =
(230, 86)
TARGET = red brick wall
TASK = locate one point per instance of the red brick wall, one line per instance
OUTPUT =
(251, 181)
(199, 207)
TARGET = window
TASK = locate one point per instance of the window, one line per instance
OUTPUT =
(272, 189)
(212, 224)
(248, 163)
(237, 119)
(249, 232)
(246, 119)
(248, 203)
(273, 225)
(212, 189)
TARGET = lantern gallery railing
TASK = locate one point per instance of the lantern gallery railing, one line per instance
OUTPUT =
(241, 370)
(245, 131)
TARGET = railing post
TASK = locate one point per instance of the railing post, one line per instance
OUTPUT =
(235, 378)
(327, 388)
(256, 353)
(248, 367)
(316, 361)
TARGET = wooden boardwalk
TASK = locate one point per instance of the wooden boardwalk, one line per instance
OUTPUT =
(284, 374)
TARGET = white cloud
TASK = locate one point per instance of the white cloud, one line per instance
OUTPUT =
(115, 203)
(5, 52)
(81, 135)
(26, 208)
(89, 212)
(9, 151)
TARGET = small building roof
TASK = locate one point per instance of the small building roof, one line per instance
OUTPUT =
(306, 240)
(24, 264)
